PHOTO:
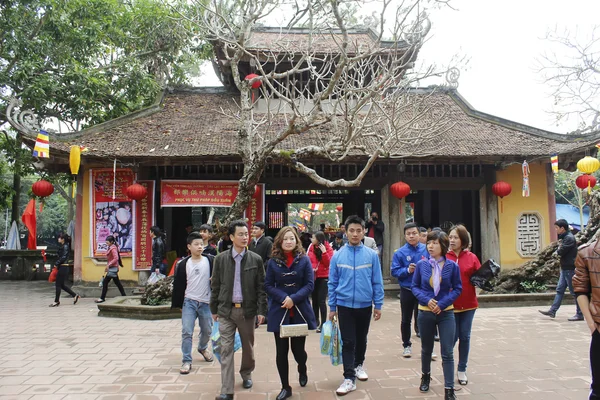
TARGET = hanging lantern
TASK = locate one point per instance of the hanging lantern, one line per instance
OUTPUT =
(588, 165)
(400, 190)
(136, 192)
(339, 208)
(74, 163)
(501, 189)
(257, 83)
(42, 188)
(585, 182)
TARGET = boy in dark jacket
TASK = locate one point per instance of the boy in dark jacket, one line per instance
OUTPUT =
(191, 293)
(260, 244)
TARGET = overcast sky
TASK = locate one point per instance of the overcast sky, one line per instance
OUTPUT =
(502, 40)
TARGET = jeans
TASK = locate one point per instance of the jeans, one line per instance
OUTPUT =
(464, 322)
(595, 363)
(446, 326)
(298, 350)
(565, 280)
(354, 328)
(61, 277)
(408, 304)
(191, 310)
(319, 300)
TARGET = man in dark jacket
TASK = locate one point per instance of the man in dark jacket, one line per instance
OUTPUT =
(260, 244)
(375, 230)
(237, 298)
(191, 293)
(567, 250)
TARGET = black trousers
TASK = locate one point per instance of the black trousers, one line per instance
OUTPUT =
(595, 362)
(319, 300)
(409, 307)
(61, 277)
(354, 327)
(105, 286)
(282, 346)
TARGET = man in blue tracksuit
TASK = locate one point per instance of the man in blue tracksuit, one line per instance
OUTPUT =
(355, 286)
(403, 267)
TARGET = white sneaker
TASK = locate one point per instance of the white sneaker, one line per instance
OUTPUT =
(346, 387)
(361, 374)
(407, 353)
(462, 378)
(433, 356)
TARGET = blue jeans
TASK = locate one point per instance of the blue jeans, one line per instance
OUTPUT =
(191, 310)
(446, 326)
(464, 322)
(565, 280)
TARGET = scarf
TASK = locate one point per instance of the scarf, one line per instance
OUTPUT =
(436, 274)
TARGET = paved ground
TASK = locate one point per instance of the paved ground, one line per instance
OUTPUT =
(70, 353)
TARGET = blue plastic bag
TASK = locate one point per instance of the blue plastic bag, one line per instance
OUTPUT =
(325, 340)
(335, 349)
(216, 341)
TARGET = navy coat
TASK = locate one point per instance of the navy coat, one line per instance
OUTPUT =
(296, 282)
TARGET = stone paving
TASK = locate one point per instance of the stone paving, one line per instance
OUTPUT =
(70, 353)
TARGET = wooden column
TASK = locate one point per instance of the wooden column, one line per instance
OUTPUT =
(395, 221)
(551, 202)
(78, 241)
(490, 235)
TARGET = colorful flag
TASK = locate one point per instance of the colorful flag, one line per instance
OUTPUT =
(315, 206)
(304, 214)
(554, 160)
(41, 148)
(28, 219)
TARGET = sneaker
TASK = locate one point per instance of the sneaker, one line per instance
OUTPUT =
(361, 374)
(548, 313)
(576, 318)
(433, 356)
(462, 378)
(346, 387)
(407, 353)
(185, 368)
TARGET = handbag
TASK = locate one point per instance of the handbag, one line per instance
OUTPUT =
(53, 273)
(488, 271)
(112, 272)
(293, 330)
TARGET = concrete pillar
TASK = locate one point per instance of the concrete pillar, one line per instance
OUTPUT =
(394, 218)
(78, 241)
(490, 235)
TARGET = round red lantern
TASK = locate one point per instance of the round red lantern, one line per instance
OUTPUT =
(257, 83)
(501, 189)
(42, 188)
(339, 208)
(400, 190)
(585, 181)
(136, 192)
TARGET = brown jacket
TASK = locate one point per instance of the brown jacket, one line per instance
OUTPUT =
(586, 280)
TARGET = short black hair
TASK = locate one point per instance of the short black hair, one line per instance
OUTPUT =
(206, 227)
(422, 229)
(354, 219)
(188, 225)
(442, 238)
(408, 226)
(67, 238)
(437, 229)
(562, 223)
(339, 235)
(193, 236)
(260, 225)
(235, 224)
(156, 230)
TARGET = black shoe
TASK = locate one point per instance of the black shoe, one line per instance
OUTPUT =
(449, 394)
(576, 318)
(76, 299)
(55, 304)
(303, 380)
(247, 383)
(425, 380)
(224, 396)
(548, 313)
(284, 394)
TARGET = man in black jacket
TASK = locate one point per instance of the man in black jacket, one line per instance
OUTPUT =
(567, 250)
(191, 293)
(260, 244)
(375, 230)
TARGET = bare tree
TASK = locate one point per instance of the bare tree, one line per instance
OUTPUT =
(573, 73)
(353, 94)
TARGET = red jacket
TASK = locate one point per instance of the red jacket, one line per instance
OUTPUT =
(321, 268)
(468, 263)
(112, 256)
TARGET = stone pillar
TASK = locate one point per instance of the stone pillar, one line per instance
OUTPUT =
(394, 218)
(490, 236)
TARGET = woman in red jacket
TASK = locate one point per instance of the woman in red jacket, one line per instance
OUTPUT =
(320, 253)
(466, 304)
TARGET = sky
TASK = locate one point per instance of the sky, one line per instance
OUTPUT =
(503, 42)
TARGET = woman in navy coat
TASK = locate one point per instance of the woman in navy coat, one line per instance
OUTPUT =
(289, 283)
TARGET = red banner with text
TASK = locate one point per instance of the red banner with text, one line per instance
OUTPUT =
(256, 208)
(144, 220)
(197, 193)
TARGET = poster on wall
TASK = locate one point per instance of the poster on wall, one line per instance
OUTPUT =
(143, 221)
(111, 216)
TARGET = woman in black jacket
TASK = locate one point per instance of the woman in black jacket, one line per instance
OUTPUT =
(158, 251)
(63, 269)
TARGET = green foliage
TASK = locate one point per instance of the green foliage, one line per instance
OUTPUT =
(533, 287)
(159, 293)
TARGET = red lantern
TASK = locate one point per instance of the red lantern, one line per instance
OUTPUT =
(136, 192)
(400, 190)
(339, 208)
(501, 189)
(42, 188)
(257, 83)
(585, 181)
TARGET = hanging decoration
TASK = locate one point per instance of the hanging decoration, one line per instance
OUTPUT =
(501, 189)
(339, 208)
(588, 165)
(41, 148)
(400, 190)
(74, 163)
(136, 192)
(554, 161)
(255, 85)
(585, 182)
(42, 189)
(114, 179)
(525, 169)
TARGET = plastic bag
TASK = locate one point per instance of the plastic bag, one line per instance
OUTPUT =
(155, 277)
(482, 277)
(215, 338)
(101, 283)
(53, 273)
(325, 340)
(335, 351)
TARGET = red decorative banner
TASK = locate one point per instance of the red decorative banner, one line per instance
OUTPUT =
(144, 220)
(197, 193)
(256, 208)
(111, 216)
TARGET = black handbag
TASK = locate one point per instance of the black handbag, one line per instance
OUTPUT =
(482, 277)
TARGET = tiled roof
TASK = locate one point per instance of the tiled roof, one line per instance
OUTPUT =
(191, 124)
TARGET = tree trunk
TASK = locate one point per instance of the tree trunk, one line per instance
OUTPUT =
(246, 188)
(16, 199)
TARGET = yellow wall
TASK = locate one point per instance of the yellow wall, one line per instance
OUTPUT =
(90, 271)
(515, 204)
